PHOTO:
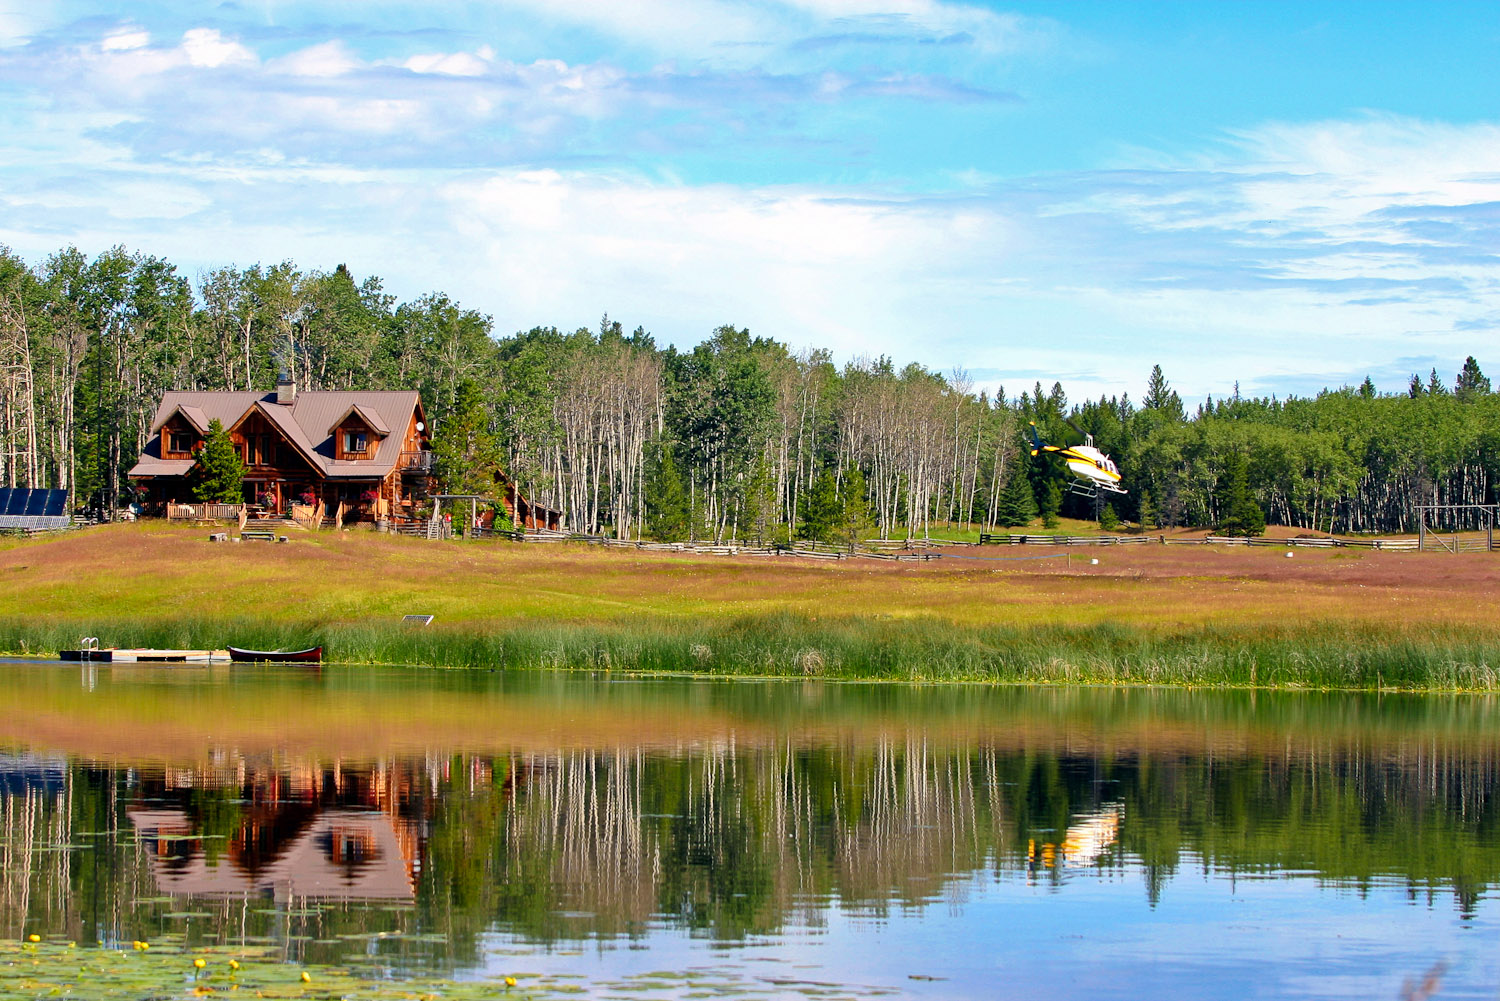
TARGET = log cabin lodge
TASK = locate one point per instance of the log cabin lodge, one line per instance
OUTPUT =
(368, 451)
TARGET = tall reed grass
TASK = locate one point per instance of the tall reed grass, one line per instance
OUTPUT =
(1322, 656)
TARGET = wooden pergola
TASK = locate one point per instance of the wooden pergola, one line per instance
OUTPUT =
(474, 501)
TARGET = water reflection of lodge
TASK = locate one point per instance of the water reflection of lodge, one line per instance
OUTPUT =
(300, 831)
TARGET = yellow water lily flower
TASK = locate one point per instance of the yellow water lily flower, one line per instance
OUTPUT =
(199, 964)
(306, 977)
(234, 964)
(510, 981)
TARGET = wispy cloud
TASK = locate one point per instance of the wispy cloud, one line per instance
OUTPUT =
(546, 188)
(207, 93)
(1119, 268)
(715, 29)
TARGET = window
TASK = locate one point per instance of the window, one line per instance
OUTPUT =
(354, 442)
(179, 441)
(260, 450)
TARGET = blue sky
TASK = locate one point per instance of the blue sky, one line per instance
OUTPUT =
(1290, 195)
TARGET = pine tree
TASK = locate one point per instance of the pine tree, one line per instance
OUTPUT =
(1367, 389)
(666, 500)
(1147, 516)
(854, 523)
(1240, 514)
(822, 509)
(217, 473)
(1435, 385)
(466, 448)
(758, 507)
(1017, 504)
(1161, 396)
(1471, 382)
(1051, 504)
(1108, 520)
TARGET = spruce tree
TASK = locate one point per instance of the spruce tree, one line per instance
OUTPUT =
(464, 444)
(757, 516)
(666, 500)
(1471, 382)
(854, 522)
(1240, 515)
(1108, 520)
(1147, 516)
(822, 509)
(217, 473)
(1161, 396)
(1017, 503)
(1051, 504)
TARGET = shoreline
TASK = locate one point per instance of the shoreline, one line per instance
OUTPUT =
(1338, 657)
(1144, 615)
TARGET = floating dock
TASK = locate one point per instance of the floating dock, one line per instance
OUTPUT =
(132, 655)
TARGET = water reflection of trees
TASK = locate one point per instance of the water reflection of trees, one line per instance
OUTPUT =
(734, 843)
(723, 840)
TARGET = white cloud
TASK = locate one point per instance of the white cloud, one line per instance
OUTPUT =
(124, 61)
(206, 48)
(328, 59)
(789, 262)
(19, 20)
(125, 39)
(451, 63)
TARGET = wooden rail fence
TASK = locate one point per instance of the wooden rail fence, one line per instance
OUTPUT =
(1311, 542)
(916, 550)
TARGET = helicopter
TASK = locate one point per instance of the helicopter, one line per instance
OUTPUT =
(1094, 471)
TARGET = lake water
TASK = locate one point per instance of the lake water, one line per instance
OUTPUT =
(772, 838)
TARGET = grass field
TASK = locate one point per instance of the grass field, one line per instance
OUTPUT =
(1187, 615)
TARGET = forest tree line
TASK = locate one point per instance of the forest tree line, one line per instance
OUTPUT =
(740, 437)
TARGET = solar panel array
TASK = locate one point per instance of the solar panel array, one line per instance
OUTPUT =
(21, 507)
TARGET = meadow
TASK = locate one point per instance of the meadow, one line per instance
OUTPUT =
(1148, 614)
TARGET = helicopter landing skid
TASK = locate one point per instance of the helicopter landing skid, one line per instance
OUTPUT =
(1092, 490)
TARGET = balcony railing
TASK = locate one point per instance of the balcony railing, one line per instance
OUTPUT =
(416, 463)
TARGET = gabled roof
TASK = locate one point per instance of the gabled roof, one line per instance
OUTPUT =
(194, 416)
(371, 419)
(280, 418)
(299, 865)
(308, 424)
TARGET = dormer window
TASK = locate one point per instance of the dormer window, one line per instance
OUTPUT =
(179, 441)
(355, 443)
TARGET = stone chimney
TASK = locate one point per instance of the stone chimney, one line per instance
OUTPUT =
(286, 390)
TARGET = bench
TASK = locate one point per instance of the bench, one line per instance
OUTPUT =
(257, 535)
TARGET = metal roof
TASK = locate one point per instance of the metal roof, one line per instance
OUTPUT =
(307, 424)
(372, 420)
